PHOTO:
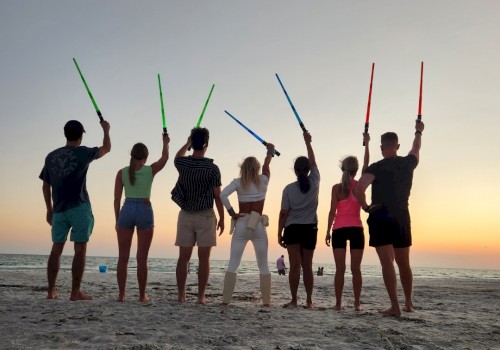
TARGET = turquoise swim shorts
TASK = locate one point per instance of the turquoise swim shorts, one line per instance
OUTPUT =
(79, 220)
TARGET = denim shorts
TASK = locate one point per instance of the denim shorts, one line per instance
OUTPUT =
(79, 220)
(136, 212)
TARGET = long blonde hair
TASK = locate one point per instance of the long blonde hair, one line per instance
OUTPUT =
(349, 166)
(249, 172)
(138, 153)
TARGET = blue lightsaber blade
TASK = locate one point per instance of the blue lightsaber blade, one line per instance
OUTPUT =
(291, 105)
(251, 132)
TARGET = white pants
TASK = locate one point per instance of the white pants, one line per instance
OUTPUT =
(241, 236)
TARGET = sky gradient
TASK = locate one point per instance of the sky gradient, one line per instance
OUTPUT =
(322, 50)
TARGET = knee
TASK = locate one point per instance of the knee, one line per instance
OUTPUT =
(340, 268)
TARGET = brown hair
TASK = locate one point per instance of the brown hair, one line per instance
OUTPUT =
(389, 139)
(199, 137)
(139, 152)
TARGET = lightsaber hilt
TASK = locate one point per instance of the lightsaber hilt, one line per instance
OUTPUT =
(275, 151)
(99, 114)
(164, 131)
(366, 131)
(419, 118)
(303, 127)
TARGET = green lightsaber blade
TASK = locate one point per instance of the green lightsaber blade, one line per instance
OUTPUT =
(88, 90)
(205, 107)
(162, 107)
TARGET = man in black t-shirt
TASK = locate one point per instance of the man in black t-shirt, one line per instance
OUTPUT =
(64, 176)
(389, 219)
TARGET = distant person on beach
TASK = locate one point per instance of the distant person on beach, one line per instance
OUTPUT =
(345, 217)
(389, 219)
(198, 186)
(298, 222)
(64, 176)
(249, 224)
(137, 180)
(280, 265)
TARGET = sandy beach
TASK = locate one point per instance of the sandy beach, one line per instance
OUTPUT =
(458, 314)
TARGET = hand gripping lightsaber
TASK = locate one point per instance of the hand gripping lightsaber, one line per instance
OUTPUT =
(251, 132)
(367, 120)
(291, 105)
(419, 116)
(162, 108)
(88, 90)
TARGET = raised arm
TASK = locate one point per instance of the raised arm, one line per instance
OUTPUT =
(106, 142)
(266, 170)
(360, 190)
(220, 209)
(366, 157)
(331, 214)
(160, 163)
(118, 195)
(417, 141)
(183, 150)
(310, 151)
(47, 196)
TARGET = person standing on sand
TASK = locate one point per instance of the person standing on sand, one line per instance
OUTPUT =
(249, 223)
(280, 265)
(347, 226)
(137, 180)
(64, 176)
(198, 185)
(389, 220)
(298, 222)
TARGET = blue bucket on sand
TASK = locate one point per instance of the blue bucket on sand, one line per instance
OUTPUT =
(103, 268)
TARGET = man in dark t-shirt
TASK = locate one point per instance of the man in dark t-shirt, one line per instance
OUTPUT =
(64, 176)
(389, 219)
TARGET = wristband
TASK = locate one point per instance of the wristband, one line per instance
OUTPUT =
(418, 132)
(366, 209)
(231, 212)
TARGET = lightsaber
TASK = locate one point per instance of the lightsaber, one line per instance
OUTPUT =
(419, 116)
(203, 111)
(205, 106)
(367, 120)
(250, 131)
(291, 105)
(90, 94)
(162, 108)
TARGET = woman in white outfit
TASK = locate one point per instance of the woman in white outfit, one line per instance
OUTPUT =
(249, 224)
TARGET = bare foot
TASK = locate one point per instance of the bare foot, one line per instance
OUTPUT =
(391, 312)
(310, 305)
(202, 300)
(408, 307)
(80, 296)
(266, 305)
(181, 297)
(293, 303)
(338, 307)
(224, 304)
(53, 294)
(357, 307)
(121, 299)
(144, 299)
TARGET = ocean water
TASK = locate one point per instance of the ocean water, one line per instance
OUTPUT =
(165, 265)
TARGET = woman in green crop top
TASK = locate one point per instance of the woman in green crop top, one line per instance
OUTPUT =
(136, 211)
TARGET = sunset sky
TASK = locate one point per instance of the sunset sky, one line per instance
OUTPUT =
(322, 50)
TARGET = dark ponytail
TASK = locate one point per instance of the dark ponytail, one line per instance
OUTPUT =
(302, 167)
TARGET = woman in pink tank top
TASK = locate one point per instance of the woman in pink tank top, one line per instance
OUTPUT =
(345, 221)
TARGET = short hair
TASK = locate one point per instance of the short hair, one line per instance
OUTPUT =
(73, 130)
(199, 137)
(389, 139)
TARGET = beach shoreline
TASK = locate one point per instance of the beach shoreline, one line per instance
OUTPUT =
(458, 313)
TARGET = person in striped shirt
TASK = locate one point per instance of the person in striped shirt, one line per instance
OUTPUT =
(196, 190)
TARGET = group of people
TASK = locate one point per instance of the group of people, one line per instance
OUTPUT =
(198, 188)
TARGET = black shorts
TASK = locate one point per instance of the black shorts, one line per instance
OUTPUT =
(354, 235)
(304, 234)
(385, 229)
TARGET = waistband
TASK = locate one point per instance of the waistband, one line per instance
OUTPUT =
(137, 201)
